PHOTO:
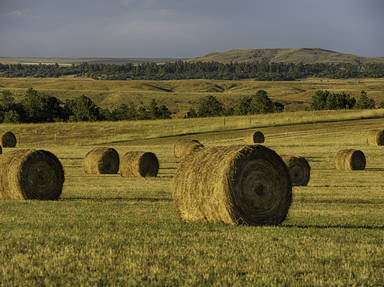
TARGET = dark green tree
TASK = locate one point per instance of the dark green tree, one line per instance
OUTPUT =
(242, 107)
(124, 112)
(41, 108)
(261, 103)
(11, 116)
(319, 100)
(364, 102)
(210, 106)
(191, 113)
(6, 99)
(83, 109)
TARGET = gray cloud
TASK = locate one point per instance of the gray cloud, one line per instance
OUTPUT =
(181, 28)
(16, 13)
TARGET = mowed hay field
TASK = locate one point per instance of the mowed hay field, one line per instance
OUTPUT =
(180, 95)
(113, 230)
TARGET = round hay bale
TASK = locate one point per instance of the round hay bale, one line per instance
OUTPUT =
(350, 159)
(183, 147)
(8, 139)
(254, 137)
(139, 163)
(234, 185)
(30, 174)
(299, 169)
(375, 137)
(102, 160)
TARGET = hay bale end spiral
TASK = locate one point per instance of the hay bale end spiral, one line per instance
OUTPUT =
(30, 174)
(246, 184)
(8, 139)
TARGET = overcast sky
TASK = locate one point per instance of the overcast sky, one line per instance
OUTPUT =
(187, 28)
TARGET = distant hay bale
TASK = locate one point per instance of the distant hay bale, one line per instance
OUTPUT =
(139, 163)
(375, 137)
(253, 137)
(246, 184)
(30, 174)
(8, 139)
(101, 160)
(183, 147)
(299, 169)
(350, 159)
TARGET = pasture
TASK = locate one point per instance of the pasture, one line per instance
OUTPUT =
(180, 95)
(112, 230)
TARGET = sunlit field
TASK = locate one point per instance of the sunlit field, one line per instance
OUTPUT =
(110, 230)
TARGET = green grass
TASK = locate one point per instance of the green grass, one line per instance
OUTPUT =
(107, 230)
(180, 95)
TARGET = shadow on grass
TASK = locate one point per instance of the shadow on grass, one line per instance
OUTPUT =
(338, 201)
(139, 199)
(339, 226)
(374, 169)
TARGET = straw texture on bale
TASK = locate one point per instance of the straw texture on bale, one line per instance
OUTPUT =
(375, 137)
(184, 147)
(8, 139)
(299, 169)
(254, 137)
(102, 160)
(30, 174)
(350, 159)
(246, 184)
(139, 163)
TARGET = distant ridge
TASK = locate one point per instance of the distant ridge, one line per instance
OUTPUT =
(76, 61)
(294, 55)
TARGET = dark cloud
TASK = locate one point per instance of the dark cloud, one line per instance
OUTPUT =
(181, 28)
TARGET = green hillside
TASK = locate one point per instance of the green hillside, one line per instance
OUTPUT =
(297, 55)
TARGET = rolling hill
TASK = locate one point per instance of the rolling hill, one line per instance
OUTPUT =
(296, 55)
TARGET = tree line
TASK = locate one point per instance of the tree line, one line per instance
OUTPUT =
(200, 70)
(326, 100)
(36, 107)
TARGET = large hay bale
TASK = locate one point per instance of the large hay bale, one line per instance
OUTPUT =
(30, 174)
(102, 160)
(139, 163)
(350, 159)
(253, 137)
(183, 147)
(375, 137)
(299, 169)
(234, 185)
(8, 139)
